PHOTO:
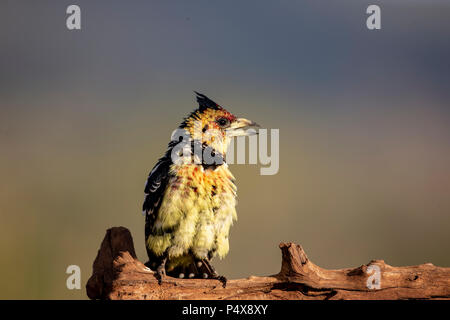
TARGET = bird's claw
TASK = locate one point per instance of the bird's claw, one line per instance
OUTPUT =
(223, 280)
(161, 271)
(160, 274)
(213, 274)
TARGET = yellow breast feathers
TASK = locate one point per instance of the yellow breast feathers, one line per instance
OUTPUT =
(196, 214)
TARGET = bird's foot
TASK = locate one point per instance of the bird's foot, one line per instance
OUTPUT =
(222, 279)
(160, 274)
(211, 273)
(161, 271)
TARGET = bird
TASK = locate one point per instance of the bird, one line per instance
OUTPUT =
(190, 201)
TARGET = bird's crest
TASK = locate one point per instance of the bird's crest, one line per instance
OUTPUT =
(205, 103)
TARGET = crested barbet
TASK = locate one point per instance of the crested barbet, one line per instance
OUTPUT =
(189, 206)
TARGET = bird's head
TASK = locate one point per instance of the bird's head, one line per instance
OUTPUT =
(214, 126)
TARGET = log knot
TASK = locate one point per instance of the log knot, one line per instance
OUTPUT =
(118, 240)
(294, 259)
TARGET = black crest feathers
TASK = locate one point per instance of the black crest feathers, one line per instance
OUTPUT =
(205, 103)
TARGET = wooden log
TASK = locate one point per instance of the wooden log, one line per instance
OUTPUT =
(118, 274)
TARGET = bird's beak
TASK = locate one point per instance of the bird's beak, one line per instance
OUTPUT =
(242, 127)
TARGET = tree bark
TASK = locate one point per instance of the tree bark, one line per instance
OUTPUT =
(118, 274)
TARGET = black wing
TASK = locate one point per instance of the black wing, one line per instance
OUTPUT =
(154, 190)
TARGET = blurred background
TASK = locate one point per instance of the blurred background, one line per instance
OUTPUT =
(364, 120)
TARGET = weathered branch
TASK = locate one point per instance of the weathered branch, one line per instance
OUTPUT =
(117, 274)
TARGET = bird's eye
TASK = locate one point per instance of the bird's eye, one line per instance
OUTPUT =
(223, 122)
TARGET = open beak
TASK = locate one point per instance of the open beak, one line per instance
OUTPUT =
(242, 127)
